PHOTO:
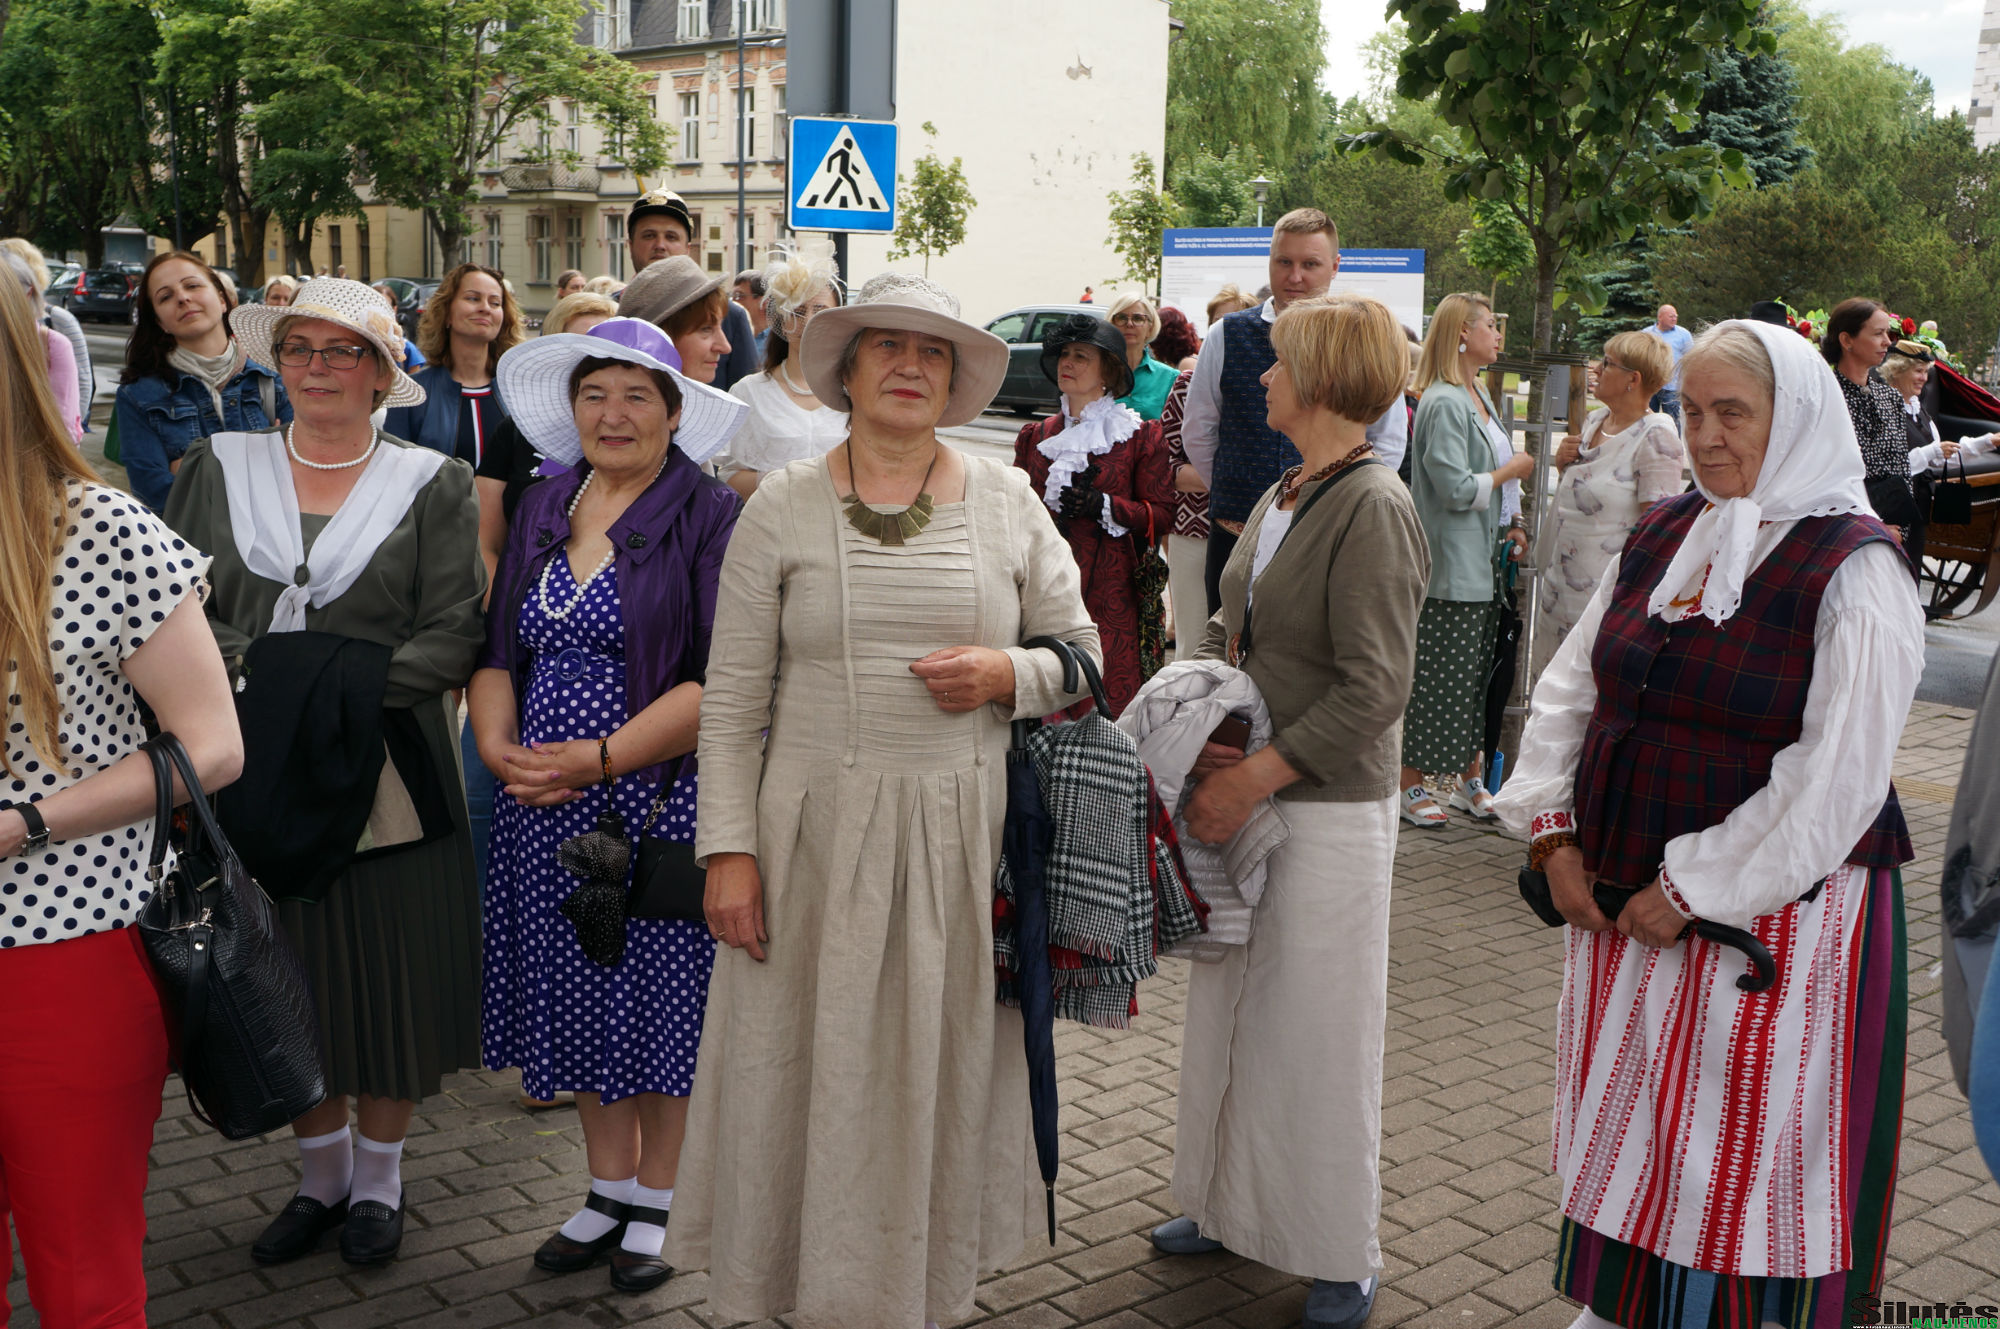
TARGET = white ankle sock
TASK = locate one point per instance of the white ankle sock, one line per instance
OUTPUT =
(587, 1224)
(326, 1165)
(647, 1238)
(378, 1172)
(1592, 1320)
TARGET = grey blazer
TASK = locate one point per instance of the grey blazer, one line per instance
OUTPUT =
(1451, 457)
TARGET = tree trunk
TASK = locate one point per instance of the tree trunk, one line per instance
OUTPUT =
(93, 247)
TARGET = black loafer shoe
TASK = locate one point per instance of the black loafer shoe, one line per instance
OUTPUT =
(566, 1255)
(638, 1273)
(297, 1229)
(373, 1234)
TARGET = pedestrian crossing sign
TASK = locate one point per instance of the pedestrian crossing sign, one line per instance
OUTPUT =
(842, 175)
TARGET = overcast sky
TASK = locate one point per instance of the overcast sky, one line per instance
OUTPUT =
(1937, 37)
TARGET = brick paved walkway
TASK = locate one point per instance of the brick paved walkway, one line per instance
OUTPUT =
(1468, 1213)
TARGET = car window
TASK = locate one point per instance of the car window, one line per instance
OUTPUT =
(1045, 323)
(1009, 327)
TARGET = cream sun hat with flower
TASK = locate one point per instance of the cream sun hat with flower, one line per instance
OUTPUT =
(350, 304)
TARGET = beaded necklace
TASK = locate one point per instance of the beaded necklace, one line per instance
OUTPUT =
(576, 596)
(1290, 483)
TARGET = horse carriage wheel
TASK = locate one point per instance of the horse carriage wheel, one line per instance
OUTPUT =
(1948, 584)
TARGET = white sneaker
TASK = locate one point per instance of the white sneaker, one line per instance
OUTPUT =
(1420, 809)
(1471, 796)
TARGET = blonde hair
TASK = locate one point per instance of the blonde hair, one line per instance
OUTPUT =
(1126, 301)
(1899, 364)
(1308, 221)
(1441, 339)
(434, 328)
(604, 285)
(1227, 301)
(27, 253)
(291, 285)
(1344, 352)
(1647, 354)
(790, 281)
(38, 463)
(573, 304)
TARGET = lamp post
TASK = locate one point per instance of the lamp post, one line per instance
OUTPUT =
(1263, 188)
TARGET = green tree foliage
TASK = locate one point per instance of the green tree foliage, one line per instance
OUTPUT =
(74, 82)
(1216, 191)
(426, 90)
(202, 65)
(1244, 72)
(1139, 218)
(1558, 108)
(932, 204)
(1496, 243)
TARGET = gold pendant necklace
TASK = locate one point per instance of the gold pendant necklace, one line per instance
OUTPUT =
(891, 528)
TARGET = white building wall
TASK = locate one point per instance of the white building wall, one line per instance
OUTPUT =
(1985, 111)
(1043, 141)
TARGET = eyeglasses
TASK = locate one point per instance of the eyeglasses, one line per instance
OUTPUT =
(297, 354)
(1130, 320)
(1623, 369)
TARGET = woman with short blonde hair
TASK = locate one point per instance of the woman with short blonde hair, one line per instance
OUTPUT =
(1626, 458)
(577, 305)
(1279, 1119)
(787, 423)
(1138, 322)
(280, 290)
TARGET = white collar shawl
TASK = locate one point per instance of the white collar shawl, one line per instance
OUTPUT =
(1103, 425)
(1812, 468)
(264, 518)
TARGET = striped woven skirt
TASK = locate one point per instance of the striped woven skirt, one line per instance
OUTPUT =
(1635, 1288)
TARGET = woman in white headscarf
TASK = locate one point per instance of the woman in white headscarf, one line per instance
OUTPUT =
(1717, 731)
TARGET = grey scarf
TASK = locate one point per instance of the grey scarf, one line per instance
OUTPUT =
(214, 370)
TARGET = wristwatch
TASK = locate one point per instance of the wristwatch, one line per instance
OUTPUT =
(38, 830)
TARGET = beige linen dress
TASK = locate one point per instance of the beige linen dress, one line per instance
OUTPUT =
(858, 1145)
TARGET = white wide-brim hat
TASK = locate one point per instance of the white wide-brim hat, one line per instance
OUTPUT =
(533, 379)
(351, 304)
(910, 304)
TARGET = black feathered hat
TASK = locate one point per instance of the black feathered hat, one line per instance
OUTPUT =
(1090, 330)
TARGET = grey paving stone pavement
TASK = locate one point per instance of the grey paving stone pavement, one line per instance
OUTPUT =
(1468, 1223)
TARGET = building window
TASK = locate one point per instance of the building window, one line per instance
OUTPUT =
(781, 131)
(573, 243)
(763, 15)
(746, 115)
(614, 244)
(539, 246)
(694, 20)
(573, 127)
(613, 24)
(361, 243)
(333, 248)
(493, 241)
(493, 138)
(542, 132)
(690, 126)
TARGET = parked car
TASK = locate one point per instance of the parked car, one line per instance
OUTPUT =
(109, 293)
(410, 309)
(61, 278)
(1026, 390)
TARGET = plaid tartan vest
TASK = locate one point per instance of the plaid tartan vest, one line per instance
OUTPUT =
(1690, 715)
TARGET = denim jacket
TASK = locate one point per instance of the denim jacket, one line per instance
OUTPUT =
(157, 422)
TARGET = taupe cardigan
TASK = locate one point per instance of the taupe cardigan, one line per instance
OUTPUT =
(1336, 642)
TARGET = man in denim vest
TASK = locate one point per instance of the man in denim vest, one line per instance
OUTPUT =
(1223, 432)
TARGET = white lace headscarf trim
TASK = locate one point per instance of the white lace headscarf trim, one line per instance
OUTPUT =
(1812, 468)
(1103, 425)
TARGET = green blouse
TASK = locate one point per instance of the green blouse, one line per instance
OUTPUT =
(1151, 382)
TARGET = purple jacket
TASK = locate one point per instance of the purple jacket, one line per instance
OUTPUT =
(668, 556)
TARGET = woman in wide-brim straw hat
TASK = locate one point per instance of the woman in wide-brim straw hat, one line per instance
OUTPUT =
(331, 526)
(585, 701)
(858, 1147)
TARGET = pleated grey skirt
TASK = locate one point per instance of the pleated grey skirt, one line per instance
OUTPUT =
(392, 953)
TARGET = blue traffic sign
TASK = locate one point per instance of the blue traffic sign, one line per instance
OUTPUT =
(842, 175)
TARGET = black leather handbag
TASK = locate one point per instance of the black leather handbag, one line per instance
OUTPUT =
(1951, 500)
(667, 883)
(239, 1010)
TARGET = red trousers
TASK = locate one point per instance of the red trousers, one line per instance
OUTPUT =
(83, 1058)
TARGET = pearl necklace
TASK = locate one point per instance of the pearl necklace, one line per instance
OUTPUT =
(374, 441)
(790, 385)
(576, 597)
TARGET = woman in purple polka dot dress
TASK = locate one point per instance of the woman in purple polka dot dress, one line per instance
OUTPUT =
(588, 691)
